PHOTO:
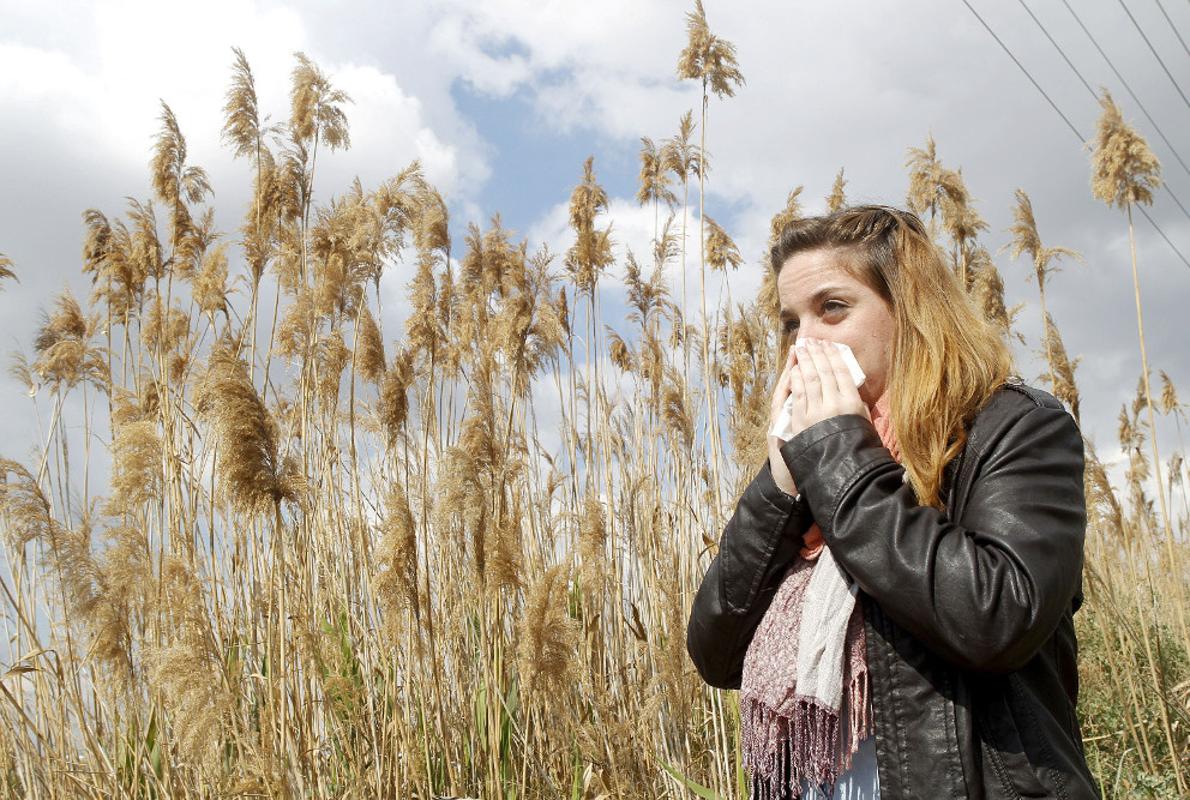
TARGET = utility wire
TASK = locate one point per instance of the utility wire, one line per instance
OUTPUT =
(1061, 52)
(1070, 64)
(1069, 124)
(1153, 50)
(1044, 94)
(1172, 28)
(1120, 78)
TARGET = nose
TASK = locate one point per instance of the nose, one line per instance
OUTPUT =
(808, 329)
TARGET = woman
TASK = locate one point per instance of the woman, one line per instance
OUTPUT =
(894, 593)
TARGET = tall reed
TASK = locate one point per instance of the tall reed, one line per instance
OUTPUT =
(448, 560)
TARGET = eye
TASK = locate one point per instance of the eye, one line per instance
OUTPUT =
(790, 326)
(833, 306)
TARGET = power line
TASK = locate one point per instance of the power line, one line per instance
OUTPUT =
(1069, 124)
(1070, 64)
(1172, 28)
(1044, 94)
(1061, 52)
(1127, 86)
(1153, 50)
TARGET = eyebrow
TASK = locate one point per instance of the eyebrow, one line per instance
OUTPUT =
(815, 298)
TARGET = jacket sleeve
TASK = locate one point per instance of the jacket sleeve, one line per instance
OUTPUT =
(984, 592)
(760, 540)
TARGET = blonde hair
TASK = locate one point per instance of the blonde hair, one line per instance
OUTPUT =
(946, 361)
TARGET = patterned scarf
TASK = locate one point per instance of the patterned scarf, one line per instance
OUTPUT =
(801, 680)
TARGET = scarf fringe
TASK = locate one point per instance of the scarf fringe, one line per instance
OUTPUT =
(780, 752)
(859, 721)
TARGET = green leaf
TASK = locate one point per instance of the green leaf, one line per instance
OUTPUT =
(697, 788)
(576, 787)
(480, 711)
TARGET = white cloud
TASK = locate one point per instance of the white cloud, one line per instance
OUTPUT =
(470, 48)
(387, 132)
(595, 66)
(104, 100)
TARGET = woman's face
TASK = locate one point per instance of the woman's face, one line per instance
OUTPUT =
(821, 300)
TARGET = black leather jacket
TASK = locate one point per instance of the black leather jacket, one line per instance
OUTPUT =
(969, 614)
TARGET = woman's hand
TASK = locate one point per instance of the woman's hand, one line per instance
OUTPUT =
(781, 475)
(822, 387)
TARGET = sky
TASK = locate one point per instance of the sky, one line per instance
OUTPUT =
(503, 100)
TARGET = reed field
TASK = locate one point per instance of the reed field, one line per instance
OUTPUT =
(335, 560)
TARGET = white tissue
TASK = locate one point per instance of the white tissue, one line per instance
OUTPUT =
(781, 427)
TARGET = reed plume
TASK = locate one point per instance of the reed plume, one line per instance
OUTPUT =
(675, 408)
(1026, 239)
(961, 221)
(739, 351)
(744, 345)
(422, 329)
(547, 636)
(210, 284)
(593, 538)
(395, 581)
(591, 252)
(65, 353)
(6, 268)
(504, 559)
(1103, 509)
(164, 330)
(20, 371)
(987, 290)
(770, 304)
(681, 156)
(837, 198)
(144, 248)
(102, 260)
(1061, 369)
(242, 127)
(721, 250)
(648, 302)
(25, 507)
(371, 347)
(653, 180)
(174, 182)
(1169, 396)
(647, 299)
(298, 327)
(136, 456)
(1124, 171)
(108, 257)
(316, 113)
(620, 352)
(791, 211)
(253, 475)
(331, 357)
(928, 180)
(273, 205)
(707, 57)
(394, 398)
(526, 327)
(943, 192)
